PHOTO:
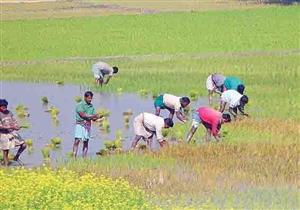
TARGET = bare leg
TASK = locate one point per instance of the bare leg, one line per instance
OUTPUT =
(208, 135)
(5, 157)
(75, 147)
(149, 142)
(135, 141)
(191, 133)
(210, 94)
(85, 148)
(20, 150)
(157, 111)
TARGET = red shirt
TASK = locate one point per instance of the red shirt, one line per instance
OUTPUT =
(210, 117)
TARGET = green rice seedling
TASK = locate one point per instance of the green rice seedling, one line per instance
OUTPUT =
(45, 100)
(129, 112)
(21, 111)
(126, 119)
(109, 145)
(165, 132)
(46, 152)
(143, 92)
(60, 82)
(56, 141)
(119, 134)
(102, 152)
(29, 142)
(25, 125)
(103, 112)
(53, 112)
(120, 91)
(193, 95)
(105, 125)
(30, 150)
(78, 99)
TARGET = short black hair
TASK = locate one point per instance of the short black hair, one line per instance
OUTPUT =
(244, 99)
(169, 122)
(241, 88)
(115, 69)
(3, 102)
(185, 100)
(88, 93)
(226, 117)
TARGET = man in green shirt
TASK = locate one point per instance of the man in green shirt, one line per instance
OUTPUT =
(85, 114)
(234, 83)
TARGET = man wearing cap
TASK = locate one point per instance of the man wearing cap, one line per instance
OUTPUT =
(146, 125)
(214, 84)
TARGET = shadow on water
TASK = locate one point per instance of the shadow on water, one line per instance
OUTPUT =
(43, 128)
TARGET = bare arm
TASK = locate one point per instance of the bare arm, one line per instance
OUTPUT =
(222, 106)
(241, 109)
(233, 112)
(180, 116)
(89, 117)
(107, 80)
(191, 133)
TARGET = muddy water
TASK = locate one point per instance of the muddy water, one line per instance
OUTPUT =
(42, 128)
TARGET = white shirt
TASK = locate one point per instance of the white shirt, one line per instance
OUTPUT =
(172, 102)
(104, 68)
(154, 123)
(232, 97)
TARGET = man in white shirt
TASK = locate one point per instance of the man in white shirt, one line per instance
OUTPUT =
(235, 100)
(172, 103)
(101, 69)
(146, 125)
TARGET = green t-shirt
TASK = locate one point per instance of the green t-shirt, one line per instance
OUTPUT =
(86, 108)
(231, 83)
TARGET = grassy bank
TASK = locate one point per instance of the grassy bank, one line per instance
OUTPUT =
(220, 176)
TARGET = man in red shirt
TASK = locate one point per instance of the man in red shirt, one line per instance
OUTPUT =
(211, 120)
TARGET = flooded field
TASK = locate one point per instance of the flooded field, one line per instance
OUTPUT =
(42, 127)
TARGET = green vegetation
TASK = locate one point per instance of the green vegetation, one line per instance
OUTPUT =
(255, 167)
(223, 31)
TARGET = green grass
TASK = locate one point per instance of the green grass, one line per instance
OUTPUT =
(223, 31)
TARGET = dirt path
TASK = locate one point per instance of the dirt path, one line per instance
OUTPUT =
(155, 57)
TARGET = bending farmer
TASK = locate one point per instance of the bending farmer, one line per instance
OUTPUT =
(147, 125)
(172, 103)
(214, 83)
(101, 69)
(211, 120)
(235, 100)
(234, 83)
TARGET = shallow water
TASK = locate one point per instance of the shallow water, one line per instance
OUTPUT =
(42, 128)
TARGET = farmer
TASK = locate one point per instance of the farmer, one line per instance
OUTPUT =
(85, 114)
(9, 138)
(214, 83)
(147, 125)
(235, 100)
(172, 103)
(211, 120)
(101, 69)
(234, 83)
